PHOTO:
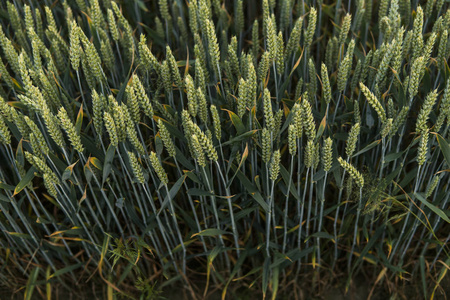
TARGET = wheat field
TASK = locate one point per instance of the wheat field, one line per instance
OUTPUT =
(278, 148)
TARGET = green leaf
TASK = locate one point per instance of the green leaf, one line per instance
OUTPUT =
(445, 148)
(236, 269)
(90, 145)
(96, 163)
(79, 120)
(122, 90)
(199, 192)
(172, 193)
(240, 128)
(381, 187)
(321, 128)
(107, 166)
(60, 165)
(25, 180)
(319, 175)
(291, 256)
(241, 137)
(125, 272)
(323, 235)
(178, 248)
(243, 158)
(212, 255)
(265, 276)
(275, 281)
(210, 232)
(251, 189)
(287, 178)
(423, 276)
(68, 172)
(435, 209)
(4, 198)
(288, 121)
(31, 283)
(367, 148)
(441, 276)
(20, 235)
(182, 159)
(192, 176)
(174, 131)
(369, 246)
(5, 186)
(158, 145)
(393, 156)
(88, 172)
(243, 213)
(66, 270)
(20, 158)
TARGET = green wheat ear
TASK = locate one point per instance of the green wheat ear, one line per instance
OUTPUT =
(202, 105)
(345, 27)
(266, 145)
(432, 186)
(272, 38)
(213, 46)
(173, 66)
(414, 78)
(158, 168)
(442, 52)
(308, 119)
(205, 142)
(294, 38)
(422, 118)
(242, 100)
(264, 65)
(373, 101)
(43, 147)
(298, 119)
(309, 154)
(327, 154)
(355, 174)
(167, 140)
(192, 96)
(292, 139)
(216, 122)
(423, 148)
(275, 165)
(444, 109)
(345, 67)
(311, 29)
(352, 140)
(268, 113)
(5, 135)
(111, 129)
(199, 153)
(49, 183)
(312, 87)
(148, 60)
(386, 128)
(255, 38)
(136, 167)
(67, 125)
(326, 88)
(399, 120)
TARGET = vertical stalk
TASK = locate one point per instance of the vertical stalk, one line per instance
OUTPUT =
(268, 219)
(286, 206)
(356, 229)
(322, 204)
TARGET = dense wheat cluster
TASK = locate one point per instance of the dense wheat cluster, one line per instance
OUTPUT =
(275, 146)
